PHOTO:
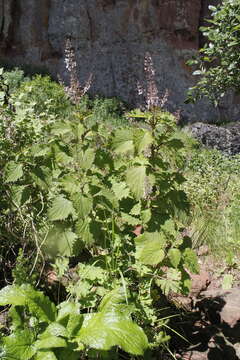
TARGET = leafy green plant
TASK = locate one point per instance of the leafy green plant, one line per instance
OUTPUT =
(218, 61)
(41, 330)
(43, 95)
(105, 197)
(211, 186)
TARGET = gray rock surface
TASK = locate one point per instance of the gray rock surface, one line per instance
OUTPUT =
(111, 38)
(226, 139)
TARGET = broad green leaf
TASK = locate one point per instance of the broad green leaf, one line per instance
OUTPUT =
(61, 208)
(171, 282)
(136, 179)
(123, 141)
(82, 204)
(120, 190)
(112, 299)
(61, 128)
(16, 314)
(42, 176)
(170, 228)
(142, 140)
(62, 157)
(112, 326)
(70, 184)
(136, 210)
(20, 194)
(12, 295)
(190, 260)
(59, 241)
(74, 324)
(86, 158)
(50, 342)
(108, 199)
(150, 248)
(65, 310)
(54, 329)
(146, 216)
(13, 171)
(39, 304)
(90, 272)
(46, 355)
(103, 331)
(130, 220)
(19, 345)
(174, 257)
(40, 150)
(83, 230)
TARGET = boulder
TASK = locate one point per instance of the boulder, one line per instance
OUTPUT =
(223, 138)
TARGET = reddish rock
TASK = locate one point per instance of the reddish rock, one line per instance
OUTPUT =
(111, 39)
(200, 282)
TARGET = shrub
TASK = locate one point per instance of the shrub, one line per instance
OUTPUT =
(43, 95)
(218, 61)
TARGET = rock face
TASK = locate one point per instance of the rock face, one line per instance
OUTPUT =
(226, 139)
(111, 38)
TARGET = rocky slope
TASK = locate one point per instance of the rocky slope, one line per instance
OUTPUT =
(111, 38)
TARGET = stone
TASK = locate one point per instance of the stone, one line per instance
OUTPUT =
(224, 306)
(200, 283)
(111, 39)
(223, 138)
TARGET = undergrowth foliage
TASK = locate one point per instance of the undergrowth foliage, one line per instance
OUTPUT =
(74, 188)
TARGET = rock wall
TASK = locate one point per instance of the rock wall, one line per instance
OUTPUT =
(111, 38)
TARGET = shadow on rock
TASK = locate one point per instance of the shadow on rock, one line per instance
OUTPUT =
(214, 328)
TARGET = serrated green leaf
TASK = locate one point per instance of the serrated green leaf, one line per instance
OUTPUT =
(123, 141)
(20, 194)
(146, 215)
(19, 345)
(171, 282)
(13, 171)
(86, 158)
(130, 220)
(150, 248)
(90, 272)
(174, 257)
(82, 204)
(61, 208)
(40, 150)
(136, 180)
(84, 232)
(62, 157)
(59, 241)
(61, 128)
(142, 140)
(190, 260)
(136, 210)
(108, 199)
(70, 184)
(120, 190)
